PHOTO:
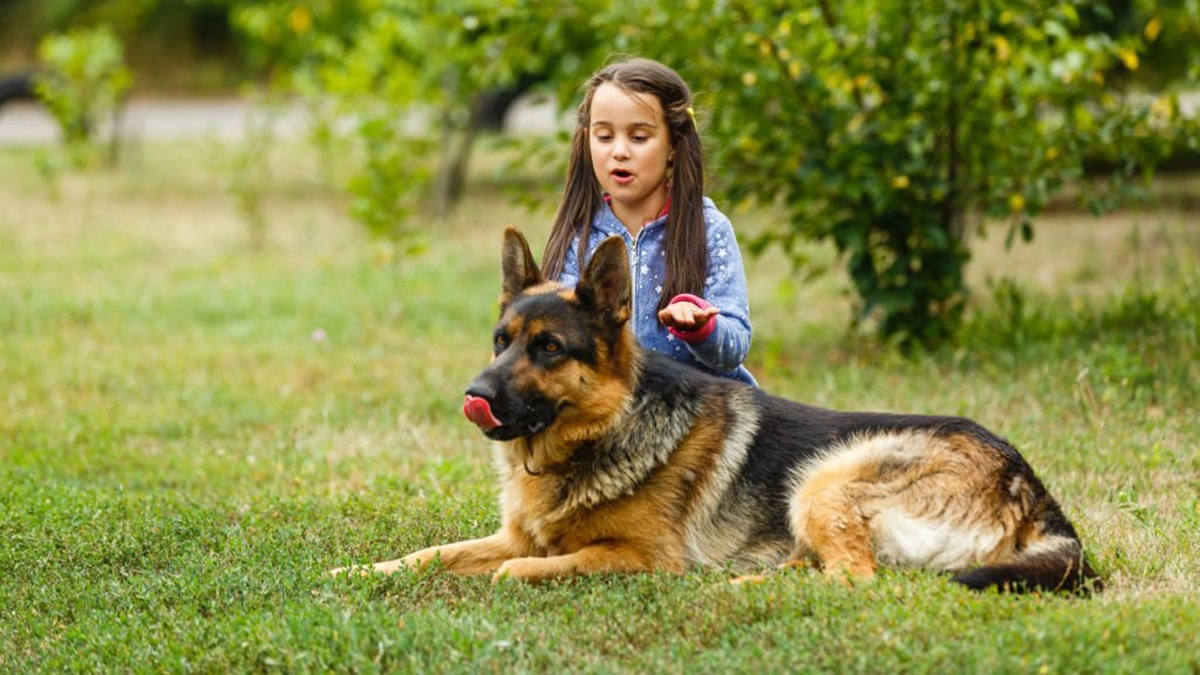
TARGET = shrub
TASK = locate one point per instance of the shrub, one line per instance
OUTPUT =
(83, 82)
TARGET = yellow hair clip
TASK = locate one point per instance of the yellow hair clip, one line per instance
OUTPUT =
(692, 113)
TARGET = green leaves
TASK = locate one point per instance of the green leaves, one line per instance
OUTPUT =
(83, 83)
(889, 127)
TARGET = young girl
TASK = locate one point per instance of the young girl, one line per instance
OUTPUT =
(636, 171)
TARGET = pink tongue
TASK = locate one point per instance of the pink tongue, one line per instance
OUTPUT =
(480, 412)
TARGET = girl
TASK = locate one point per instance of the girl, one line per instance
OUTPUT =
(636, 171)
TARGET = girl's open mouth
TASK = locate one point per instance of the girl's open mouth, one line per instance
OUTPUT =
(622, 176)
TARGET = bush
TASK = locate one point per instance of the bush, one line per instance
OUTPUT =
(83, 82)
(894, 129)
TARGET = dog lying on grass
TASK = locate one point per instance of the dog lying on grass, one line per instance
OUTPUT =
(615, 459)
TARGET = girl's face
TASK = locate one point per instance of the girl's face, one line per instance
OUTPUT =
(631, 148)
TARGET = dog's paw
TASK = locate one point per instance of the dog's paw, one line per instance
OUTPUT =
(389, 567)
(350, 571)
(848, 575)
(748, 579)
(523, 569)
(393, 566)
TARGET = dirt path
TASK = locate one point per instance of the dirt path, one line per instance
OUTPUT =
(221, 119)
(28, 123)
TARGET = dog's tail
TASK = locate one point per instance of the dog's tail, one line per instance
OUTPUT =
(1054, 564)
(1046, 553)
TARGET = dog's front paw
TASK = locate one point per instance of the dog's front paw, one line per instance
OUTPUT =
(415, 561)
(509, 570)
(392, 566)
(389, 567)
(350, 570)
(530, 570)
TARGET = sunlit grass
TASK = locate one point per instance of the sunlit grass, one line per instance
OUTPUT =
(192, 431)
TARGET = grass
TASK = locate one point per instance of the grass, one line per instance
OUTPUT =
(192, 431)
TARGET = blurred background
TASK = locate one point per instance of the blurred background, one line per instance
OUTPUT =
(894, 131)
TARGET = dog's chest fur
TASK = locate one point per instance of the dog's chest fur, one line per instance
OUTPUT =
(618, 464)
(669, 468)
(602, 476)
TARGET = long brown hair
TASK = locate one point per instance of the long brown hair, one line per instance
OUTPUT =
(686, 249)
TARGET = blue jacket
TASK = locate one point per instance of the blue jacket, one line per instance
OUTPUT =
(723, 351)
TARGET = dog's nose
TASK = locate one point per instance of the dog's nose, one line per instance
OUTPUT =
(481, 389)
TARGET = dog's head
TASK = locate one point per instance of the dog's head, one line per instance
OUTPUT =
(562, 359)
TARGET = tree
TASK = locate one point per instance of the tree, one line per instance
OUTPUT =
(890, 128)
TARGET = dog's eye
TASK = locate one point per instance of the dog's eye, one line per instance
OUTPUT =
(500, 341)
(552, 347)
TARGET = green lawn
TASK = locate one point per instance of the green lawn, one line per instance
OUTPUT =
(192, 432)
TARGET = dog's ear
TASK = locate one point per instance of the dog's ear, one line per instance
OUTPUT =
(605, 285)
(519, 271)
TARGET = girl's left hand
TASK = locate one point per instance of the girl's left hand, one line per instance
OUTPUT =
(685, 316)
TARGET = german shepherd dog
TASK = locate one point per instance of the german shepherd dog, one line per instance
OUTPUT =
(615, 459)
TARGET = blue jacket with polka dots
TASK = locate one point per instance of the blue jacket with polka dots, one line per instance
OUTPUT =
(723, 351)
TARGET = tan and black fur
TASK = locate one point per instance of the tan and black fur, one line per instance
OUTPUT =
(613, 459)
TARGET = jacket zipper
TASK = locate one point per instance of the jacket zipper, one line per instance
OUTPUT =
(633, 267)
